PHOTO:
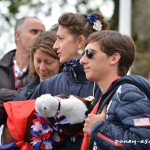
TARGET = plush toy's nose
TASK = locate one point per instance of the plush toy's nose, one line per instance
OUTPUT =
(45, 108)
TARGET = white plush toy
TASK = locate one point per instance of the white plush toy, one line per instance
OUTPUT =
(72, 108)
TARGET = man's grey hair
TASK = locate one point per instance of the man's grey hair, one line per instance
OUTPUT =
(20, 23)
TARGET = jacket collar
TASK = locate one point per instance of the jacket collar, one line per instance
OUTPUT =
(75, 72)
(7, 59)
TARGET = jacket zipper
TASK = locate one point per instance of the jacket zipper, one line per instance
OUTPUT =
(74, 73)
(115, 143)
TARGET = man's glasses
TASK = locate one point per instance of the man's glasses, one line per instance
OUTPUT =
(89, 53)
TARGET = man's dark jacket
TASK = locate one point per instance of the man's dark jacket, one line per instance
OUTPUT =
(7, 83)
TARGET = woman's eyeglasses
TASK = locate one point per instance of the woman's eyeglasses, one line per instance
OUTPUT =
(89, 53)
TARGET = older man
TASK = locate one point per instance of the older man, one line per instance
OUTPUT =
(14, 65)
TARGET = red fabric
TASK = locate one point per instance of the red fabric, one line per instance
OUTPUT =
(24, 145)
(86, 140)
(18, 113)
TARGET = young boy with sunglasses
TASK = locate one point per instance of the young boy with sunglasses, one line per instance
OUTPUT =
(122, 122)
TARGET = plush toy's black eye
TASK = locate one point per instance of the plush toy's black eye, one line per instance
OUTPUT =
(45, 108)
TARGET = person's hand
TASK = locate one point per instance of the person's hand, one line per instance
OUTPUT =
(92, 119)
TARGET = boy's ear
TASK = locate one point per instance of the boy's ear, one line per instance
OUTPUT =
(115, 58)
(81, 41)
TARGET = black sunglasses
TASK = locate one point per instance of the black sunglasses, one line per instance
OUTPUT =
(89, 53)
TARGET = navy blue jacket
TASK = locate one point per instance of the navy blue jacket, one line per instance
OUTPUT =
(26, 92)
(126, 110)
(71, 81)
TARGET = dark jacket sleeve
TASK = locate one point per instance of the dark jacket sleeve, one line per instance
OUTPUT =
(37, 92)
(3, 115)
(7, 94)
(25, 93)
(122, 133)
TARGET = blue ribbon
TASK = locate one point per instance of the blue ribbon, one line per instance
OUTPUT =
(9, 146)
